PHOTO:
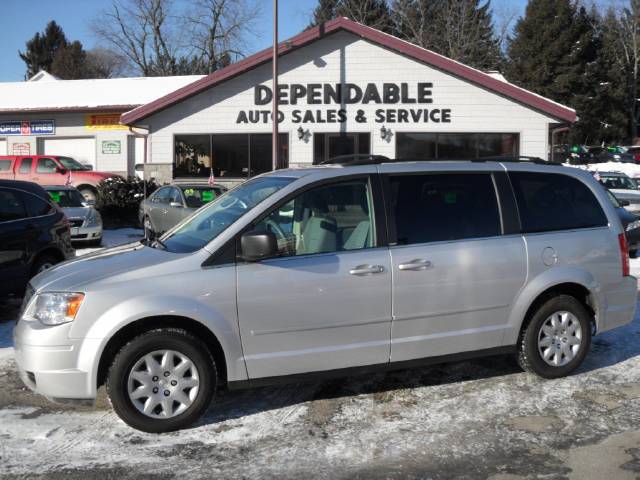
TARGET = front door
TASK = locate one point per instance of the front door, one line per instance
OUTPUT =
(14, 239)
(455, 274)
(338, 144)
(324, 302)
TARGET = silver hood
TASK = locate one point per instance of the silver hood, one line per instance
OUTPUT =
(77, 212)
(126, 262)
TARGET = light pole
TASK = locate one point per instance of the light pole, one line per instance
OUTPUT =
(274, 108)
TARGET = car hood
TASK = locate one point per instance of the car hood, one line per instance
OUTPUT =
(76, 212)
(126, 262)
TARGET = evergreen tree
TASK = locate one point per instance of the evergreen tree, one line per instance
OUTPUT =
(541, 52)
(374, 13)
(42, 48)
(70, 63)
(458, 29)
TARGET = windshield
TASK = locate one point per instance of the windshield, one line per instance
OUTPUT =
(622, 183)
(209, 222)
(198, 196)
(71, 164)
(66, 198)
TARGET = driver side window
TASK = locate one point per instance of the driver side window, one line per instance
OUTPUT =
(329, 218)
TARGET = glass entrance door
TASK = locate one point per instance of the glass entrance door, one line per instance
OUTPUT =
(330, 145)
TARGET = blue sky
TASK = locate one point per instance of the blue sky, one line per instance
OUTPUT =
(19, 20)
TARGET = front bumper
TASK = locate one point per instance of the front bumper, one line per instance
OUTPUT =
(86, 234)
(48, 361)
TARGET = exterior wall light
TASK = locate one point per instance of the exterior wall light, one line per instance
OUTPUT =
(385, 133)
(303, 134)
(300, 133)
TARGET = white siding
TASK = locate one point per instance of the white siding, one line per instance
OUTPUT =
(3, 146)
(473, 109)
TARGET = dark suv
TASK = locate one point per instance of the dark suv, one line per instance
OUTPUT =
(34, 234)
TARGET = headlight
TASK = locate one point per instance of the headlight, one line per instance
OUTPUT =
(54, 308)
(633, 225)
(93, 220)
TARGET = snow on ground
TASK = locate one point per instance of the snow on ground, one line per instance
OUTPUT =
(482, 418)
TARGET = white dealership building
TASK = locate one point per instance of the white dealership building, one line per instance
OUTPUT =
(344, 88)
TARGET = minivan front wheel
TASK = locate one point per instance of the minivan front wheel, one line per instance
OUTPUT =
(162, 380)
(556, 340)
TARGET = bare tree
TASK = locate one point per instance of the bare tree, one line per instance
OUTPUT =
(164, 37)
(107, 63)
(218, 30)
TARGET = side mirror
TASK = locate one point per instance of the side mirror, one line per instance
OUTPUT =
(257, 245)
(624, 203)
(176, 204)
(61, 170)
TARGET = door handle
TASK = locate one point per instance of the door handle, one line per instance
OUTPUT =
(417, 264)
(361, 270)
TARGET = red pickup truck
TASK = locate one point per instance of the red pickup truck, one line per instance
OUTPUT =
(52, 170)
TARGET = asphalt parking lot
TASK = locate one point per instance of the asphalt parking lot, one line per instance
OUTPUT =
(475, 419)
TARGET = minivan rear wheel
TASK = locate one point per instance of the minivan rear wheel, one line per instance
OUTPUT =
(557, 338)
(162, 380)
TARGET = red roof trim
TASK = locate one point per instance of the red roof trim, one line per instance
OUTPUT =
(376, 36)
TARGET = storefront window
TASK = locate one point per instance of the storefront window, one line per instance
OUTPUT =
(230, 155)
(455, 146)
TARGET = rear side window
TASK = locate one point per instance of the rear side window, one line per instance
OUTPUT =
(440, 207)
(11, 206)
(36, 206)
(5, 165)
(25, 165)
(548, 202)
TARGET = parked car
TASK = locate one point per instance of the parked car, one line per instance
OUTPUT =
(623, 187)
(310, 272)
(170, 204)
(84, 219)
(52, 170)
(630, 223)
(604, 160)
(635, 151)
(34, 235)
(573, 155)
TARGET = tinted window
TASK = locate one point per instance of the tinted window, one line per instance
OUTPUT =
(555, 202)
(329, 218)
(11, 206)
(36, 206)
(623, 183)
(46, 165)
(174, 196)
(162, 196)
(438, 207)
(5, 165)
(25, 165)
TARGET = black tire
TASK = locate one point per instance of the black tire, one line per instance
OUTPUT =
(161, 339)
(43, 262)
(529, 356)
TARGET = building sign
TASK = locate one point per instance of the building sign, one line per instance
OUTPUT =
(111, 147)
(28, 127)
(103, 122)
(21, 149)
(410, 97)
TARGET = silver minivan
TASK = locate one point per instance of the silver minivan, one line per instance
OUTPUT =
(329, 270)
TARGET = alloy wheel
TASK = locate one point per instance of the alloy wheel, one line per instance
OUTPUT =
(559, 338)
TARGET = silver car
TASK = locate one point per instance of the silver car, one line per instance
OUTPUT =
(333, 270)
(85, 221)
(170, 204)
(624, 188)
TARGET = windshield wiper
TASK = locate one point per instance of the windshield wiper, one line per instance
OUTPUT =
(159, 242)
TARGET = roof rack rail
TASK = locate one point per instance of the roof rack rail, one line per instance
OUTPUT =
(512, 158)
(356, 159)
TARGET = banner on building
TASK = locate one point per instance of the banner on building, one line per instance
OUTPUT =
(106, 121)
(28, 127)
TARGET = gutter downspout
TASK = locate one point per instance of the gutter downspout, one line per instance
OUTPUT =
(554, 132)
(145, 136)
